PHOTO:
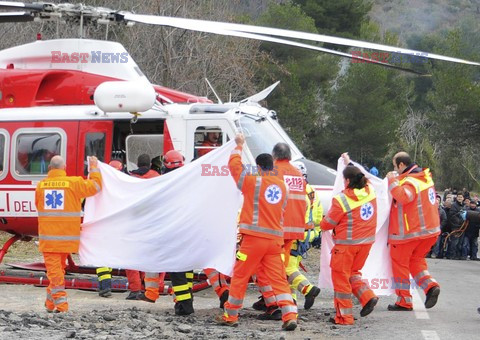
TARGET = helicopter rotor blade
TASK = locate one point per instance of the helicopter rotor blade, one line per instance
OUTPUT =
(223, 27)
(261, 37)
(16, 17)
(38, 7)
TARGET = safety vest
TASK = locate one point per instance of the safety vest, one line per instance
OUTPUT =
(314, 214)
(419, 218)
(58, 199)
(294, 222)
(353, 216)
(264, 200)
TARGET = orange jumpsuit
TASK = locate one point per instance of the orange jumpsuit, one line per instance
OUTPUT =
(353, 218)
(413, 230)
(294, 220)
(135, 277)
(58, 199)
(261, 228)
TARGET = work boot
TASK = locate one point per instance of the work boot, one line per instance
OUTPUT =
(289, 325)
(432, 297)
(396, 308)
(105, 293)
(368, 308)
(184, 307)
(133, 295)
(143, 297)
(310, 297)
(220, 321)
(272, 313)
(260, 304)
(223, 298)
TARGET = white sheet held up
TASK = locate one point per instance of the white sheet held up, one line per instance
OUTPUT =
(377, 271)
(176, 222)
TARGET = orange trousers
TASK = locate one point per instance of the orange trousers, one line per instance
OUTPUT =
(409, 258)
(254, 252)
(134, 278)
(346, 263)
(154, 282)
(55, 264)
(217, 280)
(262, 281)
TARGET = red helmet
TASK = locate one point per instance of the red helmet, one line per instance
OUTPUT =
(116, 164)
(173, 159)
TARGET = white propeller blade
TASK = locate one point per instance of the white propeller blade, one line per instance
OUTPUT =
(224, 28)
(156, 20)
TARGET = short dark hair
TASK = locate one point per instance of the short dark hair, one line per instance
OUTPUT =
(282, 151)
(143, 160)
(264, 161)
(356, 177)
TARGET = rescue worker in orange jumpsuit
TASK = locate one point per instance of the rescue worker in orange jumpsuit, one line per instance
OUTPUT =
(211, 142)
(104, 274)
(135, 277)
(182, 282)
(413, 230)
(353, 218)
(264, 199)
(58, 199)
(293, 225)
(219, 283)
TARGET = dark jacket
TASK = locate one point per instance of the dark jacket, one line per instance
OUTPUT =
(472, 230)
(443, 218)
(454, 216)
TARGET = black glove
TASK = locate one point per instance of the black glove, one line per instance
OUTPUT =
(317, 242)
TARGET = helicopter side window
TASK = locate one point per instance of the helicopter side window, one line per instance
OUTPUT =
(34, 150)
(94, 146)
(207, 138)
(3, 151)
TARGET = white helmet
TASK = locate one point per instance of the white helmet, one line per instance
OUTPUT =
(300, 166)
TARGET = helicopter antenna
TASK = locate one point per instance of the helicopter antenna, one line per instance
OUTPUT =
(215, 93)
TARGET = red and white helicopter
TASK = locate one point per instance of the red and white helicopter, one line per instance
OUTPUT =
(79, 97)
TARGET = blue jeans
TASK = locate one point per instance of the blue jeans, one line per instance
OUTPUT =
(454, 246)
(438, 250)
(470, 247)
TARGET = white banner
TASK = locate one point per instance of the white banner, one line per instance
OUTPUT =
(186, 219)
(377, 271)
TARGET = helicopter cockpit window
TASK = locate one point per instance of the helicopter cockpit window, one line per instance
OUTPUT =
(207, 138)
(94, 146)
(260, 136)
(34, 150)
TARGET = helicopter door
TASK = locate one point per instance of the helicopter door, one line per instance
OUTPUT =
(205, 136)
(94, 139)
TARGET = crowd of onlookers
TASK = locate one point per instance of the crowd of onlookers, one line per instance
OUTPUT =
(458, 239)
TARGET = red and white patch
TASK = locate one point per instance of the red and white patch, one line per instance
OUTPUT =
(294, 183)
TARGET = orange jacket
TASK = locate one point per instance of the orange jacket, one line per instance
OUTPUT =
(353, 216)
(211, 146)
(414, 212)
(149, 174)
(264, 199)
(58, 199)
(294, 223)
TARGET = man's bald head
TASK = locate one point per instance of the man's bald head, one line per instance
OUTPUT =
(281, 151)
(401, 161)
(57, 162)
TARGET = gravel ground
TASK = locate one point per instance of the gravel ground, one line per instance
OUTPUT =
(22, 315)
